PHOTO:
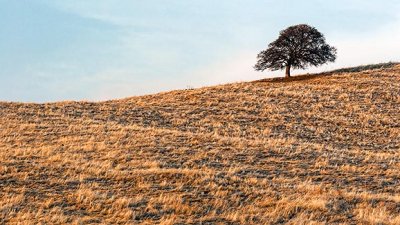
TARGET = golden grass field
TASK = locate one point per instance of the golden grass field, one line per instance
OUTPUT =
(317, 149)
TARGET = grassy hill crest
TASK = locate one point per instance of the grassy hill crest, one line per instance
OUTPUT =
(314, 149)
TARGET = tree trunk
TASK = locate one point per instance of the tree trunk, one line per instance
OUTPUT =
(288, 70)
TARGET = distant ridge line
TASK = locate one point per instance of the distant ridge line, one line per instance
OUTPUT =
(355, 69)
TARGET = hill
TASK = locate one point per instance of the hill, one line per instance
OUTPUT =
(318, 149)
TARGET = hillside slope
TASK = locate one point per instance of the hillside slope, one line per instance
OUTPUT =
(318, 149)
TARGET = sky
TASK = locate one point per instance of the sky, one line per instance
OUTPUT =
(94, 50)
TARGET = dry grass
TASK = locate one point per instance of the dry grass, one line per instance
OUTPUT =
(310, 151)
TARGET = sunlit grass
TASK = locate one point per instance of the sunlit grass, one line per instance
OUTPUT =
(316, 150)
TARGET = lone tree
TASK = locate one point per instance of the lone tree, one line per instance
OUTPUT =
(298, 46)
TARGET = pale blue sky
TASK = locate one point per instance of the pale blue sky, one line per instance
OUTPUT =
(53, 50)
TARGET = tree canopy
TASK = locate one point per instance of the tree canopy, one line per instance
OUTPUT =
(297, 47)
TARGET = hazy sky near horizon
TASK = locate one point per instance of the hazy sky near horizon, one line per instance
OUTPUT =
(52, 50)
